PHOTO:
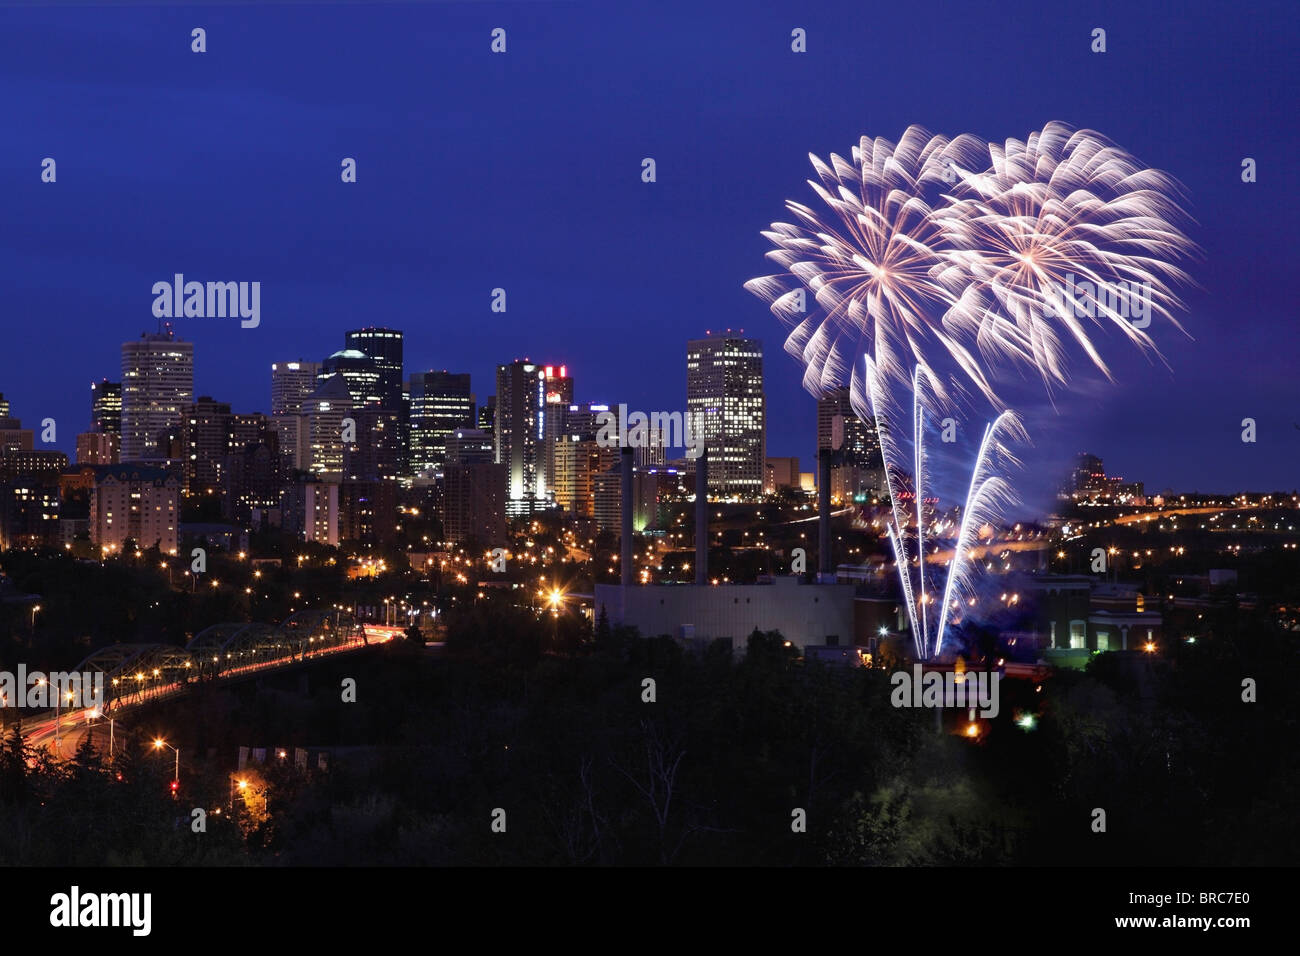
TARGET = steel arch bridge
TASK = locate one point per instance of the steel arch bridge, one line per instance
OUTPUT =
(131, 670)
(135, 671)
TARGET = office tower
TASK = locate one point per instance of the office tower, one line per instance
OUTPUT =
(858, 470)
(578, 459)
(367, 512)
(607, 498)
(487, 415)
(384, 347)
(520, 420)
(205, 442)
(324, 411)
(13, 436)
(470, 446)
(291, 383)
(441, 402)
(559, 396)
(98, 448)
(374, 454)
(106, 406)
(724, 395)
(1089, 475)
(138, 503)
(474, 503)
(310, 510)
(157, 383)
(580, 420)
(4, 405)
(359, 373)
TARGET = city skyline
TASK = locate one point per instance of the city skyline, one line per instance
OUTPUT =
(329, 254)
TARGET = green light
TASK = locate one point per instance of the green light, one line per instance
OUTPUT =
(1026, 722)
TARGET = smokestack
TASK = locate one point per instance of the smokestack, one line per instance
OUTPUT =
(824, 514)
(625, 463)
(702, 517)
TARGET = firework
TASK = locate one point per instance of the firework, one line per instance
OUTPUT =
(1063, 235)
(875, 266)
(985, 256)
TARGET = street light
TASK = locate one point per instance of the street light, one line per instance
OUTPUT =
(159, 744)
(58, 745)
(35, 608)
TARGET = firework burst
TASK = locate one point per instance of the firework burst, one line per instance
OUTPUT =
(986, 256)
(1063, 235)
(875, 266)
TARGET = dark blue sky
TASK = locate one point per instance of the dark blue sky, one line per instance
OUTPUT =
(523, 171)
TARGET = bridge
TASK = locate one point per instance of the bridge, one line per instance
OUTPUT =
(134, 674)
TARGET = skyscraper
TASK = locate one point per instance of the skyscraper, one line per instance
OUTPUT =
(324, 411)
(384, 347)
(519, 432)
(487, 415)
(157, 383)
(441, 402)
(559, 396)
(205, 442)
(859, 467)
(359, 373)
(106, 406)
(291, 383)
(724, 396)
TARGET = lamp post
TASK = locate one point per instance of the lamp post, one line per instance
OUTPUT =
(35, 608)
(159, 744)
(90, 715)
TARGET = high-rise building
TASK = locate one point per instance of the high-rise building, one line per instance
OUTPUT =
(291, 383)
(13, 436)
(325, 409)
(368, 512)
(724, 396)
(578, 460)
(520, 433)
(4, 405)
(205, 442)
(157, 384)
(384, 347)
(470, 446)
(441, 402)
(359, 373)
(132, 502)
(607, 498)
(858, 468)
(374, 453)
(1089, 475)
(474, 502)
(487, 415)
(106, 406)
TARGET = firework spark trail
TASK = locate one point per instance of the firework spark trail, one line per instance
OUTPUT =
(988, 495)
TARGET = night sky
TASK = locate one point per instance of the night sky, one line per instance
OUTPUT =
(522, 171)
